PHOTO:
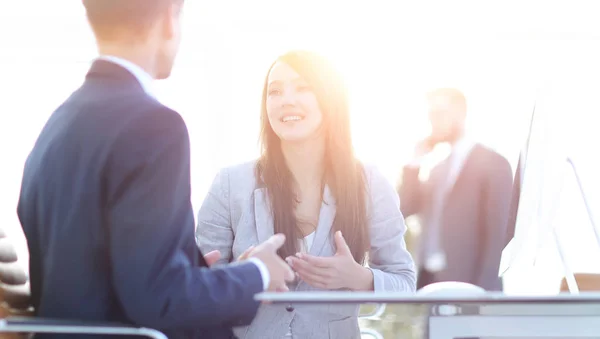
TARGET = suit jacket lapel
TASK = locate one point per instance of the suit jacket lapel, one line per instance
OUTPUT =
(264, 224)
(326, 218)
(459, 172)
(262, 215)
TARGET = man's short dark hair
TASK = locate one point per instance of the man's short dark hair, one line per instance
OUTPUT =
(109, 19)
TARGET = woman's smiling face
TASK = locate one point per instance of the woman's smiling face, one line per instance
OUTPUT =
(292, 106)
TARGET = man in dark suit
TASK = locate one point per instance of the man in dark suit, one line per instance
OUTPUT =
(105, 198)
(463, 205)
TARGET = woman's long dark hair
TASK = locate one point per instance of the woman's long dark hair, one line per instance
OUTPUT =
(343, 173)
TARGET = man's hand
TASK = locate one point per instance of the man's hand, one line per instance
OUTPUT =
(279, 271)
(212, 257)
(330, 273)
(422, 148)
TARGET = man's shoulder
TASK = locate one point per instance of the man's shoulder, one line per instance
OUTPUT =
(154, 120)
(138, 118)
(98, 109)
(492, 160)
(489, 153)
(129, 126)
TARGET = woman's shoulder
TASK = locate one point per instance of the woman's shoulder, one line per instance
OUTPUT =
(383, 198)
(245, 169)
(240, 177)
(373, 175)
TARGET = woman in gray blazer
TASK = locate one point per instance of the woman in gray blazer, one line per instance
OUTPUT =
(343, 226)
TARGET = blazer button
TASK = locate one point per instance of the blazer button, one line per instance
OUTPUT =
(289, 308)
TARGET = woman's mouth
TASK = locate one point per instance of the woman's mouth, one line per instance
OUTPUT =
(289, 118)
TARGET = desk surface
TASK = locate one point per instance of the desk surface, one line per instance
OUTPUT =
(404, 298)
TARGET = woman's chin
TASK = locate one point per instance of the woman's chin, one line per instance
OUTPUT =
(293, 137)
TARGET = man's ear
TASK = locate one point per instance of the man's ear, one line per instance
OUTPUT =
(170, 19)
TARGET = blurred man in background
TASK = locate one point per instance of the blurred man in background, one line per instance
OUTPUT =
(463, 205)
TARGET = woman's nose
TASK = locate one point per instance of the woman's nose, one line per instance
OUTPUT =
(288, 98)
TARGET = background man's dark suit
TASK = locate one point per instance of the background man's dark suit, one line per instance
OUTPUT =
(105, 207)
(473, 219)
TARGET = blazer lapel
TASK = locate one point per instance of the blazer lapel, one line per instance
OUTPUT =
(262, 215)
(453, 174)
(326, 218)
(265, 226)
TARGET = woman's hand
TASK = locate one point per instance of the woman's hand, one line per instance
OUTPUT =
(337, 272)
(246, 254)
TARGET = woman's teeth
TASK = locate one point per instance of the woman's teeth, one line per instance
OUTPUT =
(291, 118)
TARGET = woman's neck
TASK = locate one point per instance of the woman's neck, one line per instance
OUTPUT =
(305, 161)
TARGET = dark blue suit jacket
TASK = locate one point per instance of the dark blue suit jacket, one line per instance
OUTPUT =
(105, 207)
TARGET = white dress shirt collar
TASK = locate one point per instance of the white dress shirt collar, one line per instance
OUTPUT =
(463, 146)
(461, 150)
(139, 73)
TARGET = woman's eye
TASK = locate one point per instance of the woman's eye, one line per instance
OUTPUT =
(274, 92)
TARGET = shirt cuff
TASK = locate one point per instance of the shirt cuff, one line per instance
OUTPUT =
(264, 272)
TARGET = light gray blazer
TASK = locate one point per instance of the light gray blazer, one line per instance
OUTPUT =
(236, 215)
